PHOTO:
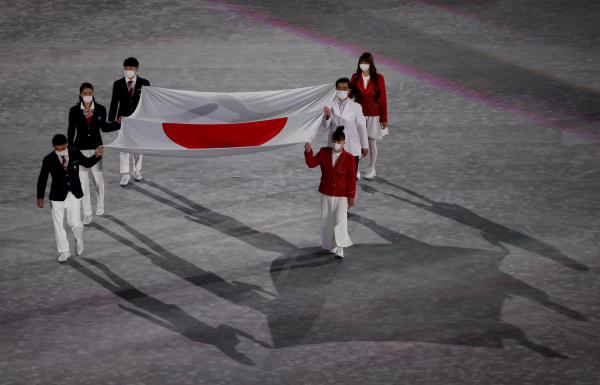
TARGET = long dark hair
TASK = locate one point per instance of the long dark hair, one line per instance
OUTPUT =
(81, 88)
(372, 70)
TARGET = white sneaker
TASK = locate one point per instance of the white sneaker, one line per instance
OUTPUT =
(125, 180)
(334, 250)
(339, 252)
(79, 247)
(357, 175)
(64, 257)
(137, 175)
(87, 220)
(371, 174)
(100, 210)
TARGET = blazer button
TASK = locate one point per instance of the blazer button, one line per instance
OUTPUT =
(67, 175)
(89, 135)
(131, 109)
(131, 101)
(68, 184)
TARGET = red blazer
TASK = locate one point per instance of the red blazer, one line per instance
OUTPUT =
(335, 182)
(372, 100)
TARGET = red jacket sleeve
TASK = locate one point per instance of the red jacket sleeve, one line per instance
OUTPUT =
(382, 100)
(312, 161)
(351, 185)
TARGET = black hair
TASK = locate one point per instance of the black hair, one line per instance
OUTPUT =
(59, 140)
(83, 87)
(339, 134)
(344, 80)
(131, 62)
(372, 70)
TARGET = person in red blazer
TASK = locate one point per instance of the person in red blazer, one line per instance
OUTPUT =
(368, 89)
(337, 188)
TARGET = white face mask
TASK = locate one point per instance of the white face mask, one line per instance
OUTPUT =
(61, 153)
(342, 95)
(87, 99)
(336, 146)
(364, 67)
(129, 74)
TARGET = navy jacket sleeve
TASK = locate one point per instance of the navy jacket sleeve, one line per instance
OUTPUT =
(43, 179)
(87, 162)
(114, 104)
(108, 127)
(72, 128)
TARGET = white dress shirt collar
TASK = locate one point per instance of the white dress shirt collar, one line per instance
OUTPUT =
(335, 156)
(134, 79)
(365, 80)
(343, 105)
(60, 157)
(82, 106)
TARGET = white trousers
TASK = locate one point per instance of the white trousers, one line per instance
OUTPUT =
(137, 162)
(85, 184)
(334, 222)
(72, 205)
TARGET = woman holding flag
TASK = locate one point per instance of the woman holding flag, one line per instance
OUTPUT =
(86, 119)
(337, 188)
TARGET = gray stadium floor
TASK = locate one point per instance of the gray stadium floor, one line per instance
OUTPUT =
(476, 248)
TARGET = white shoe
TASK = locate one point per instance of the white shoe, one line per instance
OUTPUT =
(125, 180)
(371, 174)
(64, 257)
(79, 247)
(137, 176)
(357, 175)
(334, 250)
(339, 252)
(100, 210)
(87, 220)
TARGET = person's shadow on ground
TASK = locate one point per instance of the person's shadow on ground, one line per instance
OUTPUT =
(404, 290)
(467, 217)
(169, 316)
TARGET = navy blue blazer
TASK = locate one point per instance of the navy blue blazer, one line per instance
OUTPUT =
(63, 181)
(121, 103)
(84, 136)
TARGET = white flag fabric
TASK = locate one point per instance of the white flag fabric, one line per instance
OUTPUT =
(208, 124)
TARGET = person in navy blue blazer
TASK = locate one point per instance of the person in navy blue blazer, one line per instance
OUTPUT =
(86, 120)
(125, 98)
(65, 191)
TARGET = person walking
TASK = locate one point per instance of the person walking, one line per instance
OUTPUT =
(65, 191)
(86, 119)
(125, 98)
(345, 112)
(368, 89)
(337, 188)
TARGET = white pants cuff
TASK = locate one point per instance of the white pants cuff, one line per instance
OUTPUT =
(334, 222)
(137, 162)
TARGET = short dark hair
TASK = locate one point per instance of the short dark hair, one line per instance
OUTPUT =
(343, 80)
(131, 62)
(59, 140)
(339, 134)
